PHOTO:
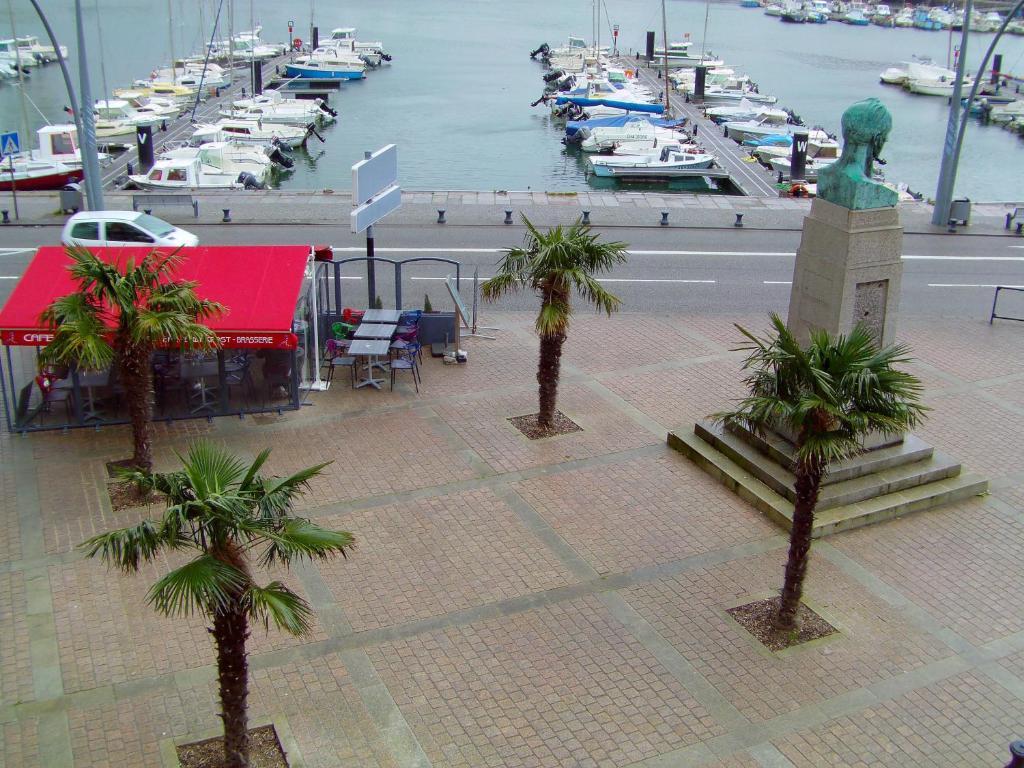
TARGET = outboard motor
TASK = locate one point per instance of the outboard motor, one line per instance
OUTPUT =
(385, 56)
(280, 158)
(324, 108)
(554, 74)
(543, 49)
(248, 181)
(280, 145)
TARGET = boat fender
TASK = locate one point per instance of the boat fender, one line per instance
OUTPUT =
(248, 181)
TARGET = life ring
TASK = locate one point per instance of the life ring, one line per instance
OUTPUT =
(798, 190)
(297, 43)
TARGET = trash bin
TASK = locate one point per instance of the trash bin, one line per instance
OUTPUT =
(960, 211)
(71, 198)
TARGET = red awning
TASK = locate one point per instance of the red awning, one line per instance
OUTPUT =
(258, 284)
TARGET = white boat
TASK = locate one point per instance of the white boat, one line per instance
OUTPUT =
(273, 102)
(811, 167)
(229, 157)
(894, 76)
(30, 174)
(607, 137)
(654, 147)
(744, 110)
(176, 93)
(883, 16)
(185, 173)
(670, 162)
(773, 9)
(819, 146)
(904, 19)
(114, 110)
(941, 86)
(30, 48)
(371, 52)
(59, 144)
(250, 132)
(768, 125)
(1005, 113)
(11, 54)
(685, 79)
(190, 75)
(716, 96)
(161, 108)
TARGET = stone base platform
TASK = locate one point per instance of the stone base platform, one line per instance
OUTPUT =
(877, 485)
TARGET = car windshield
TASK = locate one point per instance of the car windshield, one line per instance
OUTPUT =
(153, 225)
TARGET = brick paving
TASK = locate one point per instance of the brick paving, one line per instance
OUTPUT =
(541, 603)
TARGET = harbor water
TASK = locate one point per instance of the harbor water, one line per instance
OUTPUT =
(456, 98)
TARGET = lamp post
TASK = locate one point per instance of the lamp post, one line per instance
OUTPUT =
(947, 170)
(90, 161)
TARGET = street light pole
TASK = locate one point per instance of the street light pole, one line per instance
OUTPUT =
(947, 170)
(87, 141)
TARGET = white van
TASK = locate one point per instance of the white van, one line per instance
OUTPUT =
(101, 228)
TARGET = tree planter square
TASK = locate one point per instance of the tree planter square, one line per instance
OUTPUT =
(265, 751)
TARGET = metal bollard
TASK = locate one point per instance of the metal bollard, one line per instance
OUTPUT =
(1020, 227)
(148, 211)
(951, 227)
(129, 169)
(1009, 218)
(440, 216)
(163, 125)
(586, 217)
(739, 220)
(7, 219)
(664, 219)
(1016, 754)
(227, 215)
(508, 216)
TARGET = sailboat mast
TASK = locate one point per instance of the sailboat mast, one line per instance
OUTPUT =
(704, 37)
(231, 42)
(664, 37)
(170, 37)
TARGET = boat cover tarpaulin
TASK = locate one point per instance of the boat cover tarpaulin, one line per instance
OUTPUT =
(259, 286)
(617, 121)
(632, 106)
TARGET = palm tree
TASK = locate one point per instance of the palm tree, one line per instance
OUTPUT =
(553, 264)
(232, 518)
(118, 315)
(830, 396)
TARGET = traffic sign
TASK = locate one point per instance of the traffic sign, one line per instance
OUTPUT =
(10, 143)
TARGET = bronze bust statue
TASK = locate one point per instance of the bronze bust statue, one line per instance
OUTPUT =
(847, 182)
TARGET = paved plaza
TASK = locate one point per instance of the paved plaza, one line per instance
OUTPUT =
(559, 602)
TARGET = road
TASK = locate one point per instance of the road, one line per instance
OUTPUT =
(669, 269)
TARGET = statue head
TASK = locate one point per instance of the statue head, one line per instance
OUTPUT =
(848, 182)
(867, 122)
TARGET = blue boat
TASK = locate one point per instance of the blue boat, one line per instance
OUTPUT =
(632, 106)
(315, 68)
(572, 127)
(749, 4)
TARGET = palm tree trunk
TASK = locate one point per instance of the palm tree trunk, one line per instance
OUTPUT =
(808, 482)
(230, 631)
(137, 379)
(547, 377)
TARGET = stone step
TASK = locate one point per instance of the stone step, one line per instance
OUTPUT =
(781, 451)
(779, 509)
(897, 477)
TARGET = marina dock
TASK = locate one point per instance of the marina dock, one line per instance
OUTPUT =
(747, 178)
(180, 129)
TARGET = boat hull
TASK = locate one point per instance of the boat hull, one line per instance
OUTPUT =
(307, 73)
(619, 171)
(47, 181)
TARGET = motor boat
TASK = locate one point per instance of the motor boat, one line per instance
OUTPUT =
(59, 144)
(158, 106)
(12, 54)
(1006, 113)
(234, 158)
(856, 18)
(115, 110)
(766, 125)
(33, 175)
(811, 166)
(574, 129)
(654, 147)
(793, 14)
(284, 111)
(607, 137)
(820, 146)
(724, 77)
(191, 75)
(773, 9)
(883, 16)
(30, 49)
(904, 18)
(372, 53)
(327, 64)
(251, 132)
(744, 110)
(940, 86)
(894, 76)
(717, 96)
(670, 162)
(179, 94)
(676, 50)
(192, 173)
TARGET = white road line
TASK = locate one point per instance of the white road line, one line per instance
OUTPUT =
(649, 280)
(777, 282)
(15, 251)
(907, 257)
(8, 277)
(970, 285)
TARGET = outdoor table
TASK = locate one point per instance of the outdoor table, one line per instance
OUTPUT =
(374, 331)
(382, 315)
(200, 370)
(90, 380)
(371, 349)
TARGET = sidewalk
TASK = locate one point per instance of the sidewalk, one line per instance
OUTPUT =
(622, 209)
(542, 604)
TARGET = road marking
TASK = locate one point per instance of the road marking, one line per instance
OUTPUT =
(970, 285)
(777, 282)
(15, 251)
(962, 258)
(649, 280)
(9, 277)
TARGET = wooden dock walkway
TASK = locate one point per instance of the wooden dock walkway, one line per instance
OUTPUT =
(180, 129)
(750, 178)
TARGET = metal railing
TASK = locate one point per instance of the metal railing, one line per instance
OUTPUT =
(995, 301)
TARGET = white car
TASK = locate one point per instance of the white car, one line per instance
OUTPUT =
(103, 228)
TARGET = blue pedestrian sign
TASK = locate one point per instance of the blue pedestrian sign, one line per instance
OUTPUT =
(9, 144)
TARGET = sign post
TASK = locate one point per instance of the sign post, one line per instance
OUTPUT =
(10, 145)
(375, 194)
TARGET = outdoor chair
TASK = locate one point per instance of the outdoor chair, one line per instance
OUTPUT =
(407, 361)
(54, 389)
(410, 317)
(333, 358)
(342, 331)
(352, 316)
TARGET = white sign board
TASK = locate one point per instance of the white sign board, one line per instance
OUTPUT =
(460, 305)
(375, 174)
(368, 214)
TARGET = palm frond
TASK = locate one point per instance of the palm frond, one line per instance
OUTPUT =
(275, 602)
(298, 538)
(211, 469)
(277, 494)
(204, 584)
(126, 548)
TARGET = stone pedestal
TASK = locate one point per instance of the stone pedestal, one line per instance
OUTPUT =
(848, 271)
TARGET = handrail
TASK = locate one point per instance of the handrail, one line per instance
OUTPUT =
(995, 300)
